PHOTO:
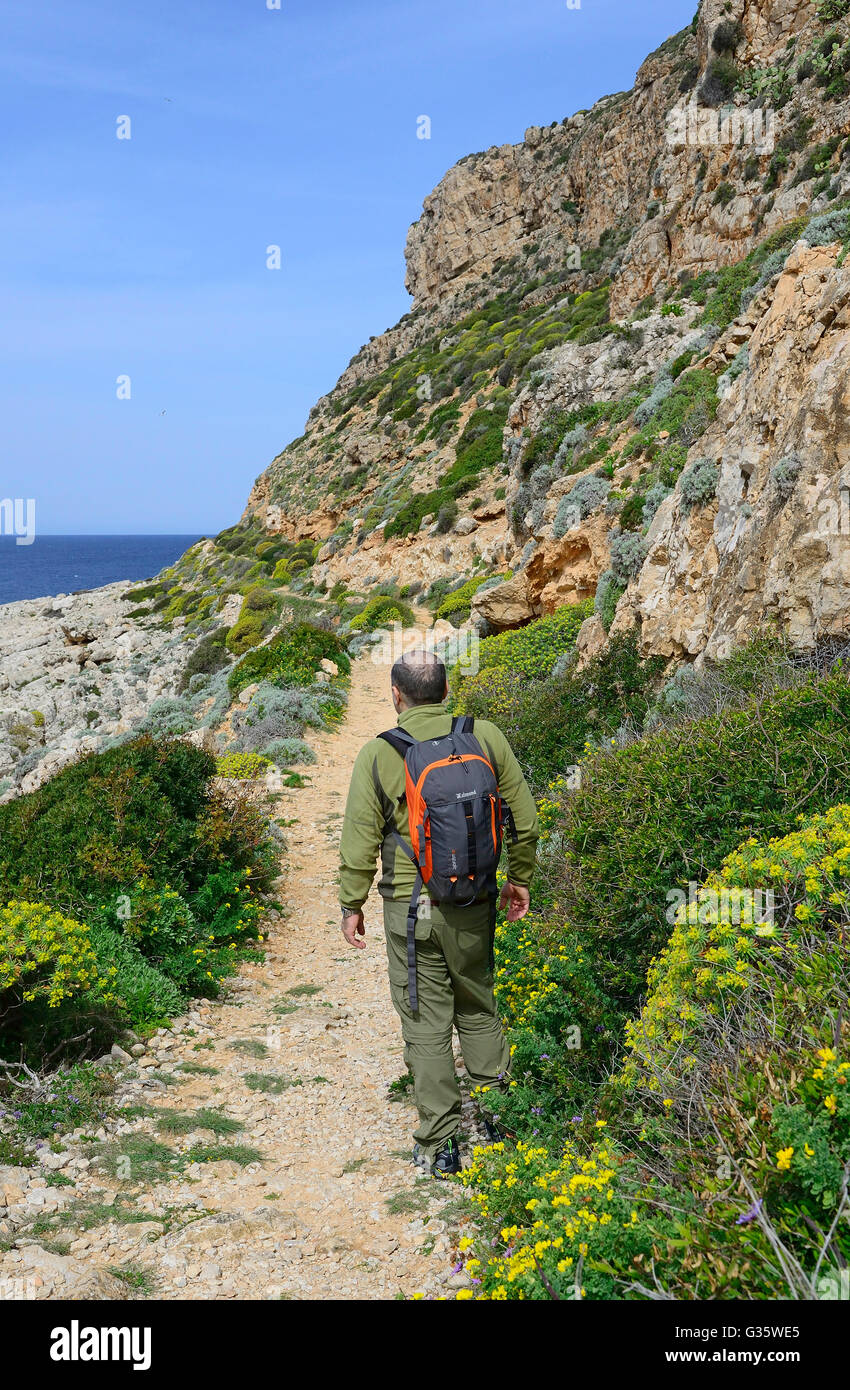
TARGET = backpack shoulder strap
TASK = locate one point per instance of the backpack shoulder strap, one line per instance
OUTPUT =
(463, 724)
(399, 739)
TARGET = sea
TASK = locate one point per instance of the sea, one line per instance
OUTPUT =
(65, 564)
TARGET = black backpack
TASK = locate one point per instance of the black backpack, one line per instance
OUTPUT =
(456, 818)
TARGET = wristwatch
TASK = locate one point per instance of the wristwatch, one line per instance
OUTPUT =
(349, 911)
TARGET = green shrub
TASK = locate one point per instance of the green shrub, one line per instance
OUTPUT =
(192, 940)
(259, 600)
(136, 839)
(720, 81)
(291, 658)
(446, 517)
(246, 632)
(686, 411)
(529, 651)
(550, 721)
(832, 9)
(455, 607)
(208, 656)
(661, 812)
(146, 995)
(544, 444)
(379, 611)
(724, 288)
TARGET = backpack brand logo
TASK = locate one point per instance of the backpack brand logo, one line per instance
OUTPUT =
(461, 796)
(76, 1343)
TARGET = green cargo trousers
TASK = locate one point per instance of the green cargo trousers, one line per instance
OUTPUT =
(455, 990)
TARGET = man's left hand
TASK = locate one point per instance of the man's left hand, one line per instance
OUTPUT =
(353, 927)
(516, 899)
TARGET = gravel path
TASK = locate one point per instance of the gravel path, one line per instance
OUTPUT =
(335, 1208)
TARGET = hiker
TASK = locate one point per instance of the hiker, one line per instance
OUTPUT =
(464, 785)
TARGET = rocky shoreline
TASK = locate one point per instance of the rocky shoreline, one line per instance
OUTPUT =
(77, 670)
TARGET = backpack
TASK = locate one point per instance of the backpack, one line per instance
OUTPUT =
(456, 818)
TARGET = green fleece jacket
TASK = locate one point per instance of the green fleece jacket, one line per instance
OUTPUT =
(362, 839)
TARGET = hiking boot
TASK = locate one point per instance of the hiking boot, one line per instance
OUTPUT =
(445, 1161)
(491, 1129)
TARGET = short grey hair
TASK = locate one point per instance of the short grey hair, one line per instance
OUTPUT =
(421, 677)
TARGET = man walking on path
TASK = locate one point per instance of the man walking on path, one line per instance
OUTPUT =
(453, 966)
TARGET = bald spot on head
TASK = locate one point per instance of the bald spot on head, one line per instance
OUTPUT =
(420, 678)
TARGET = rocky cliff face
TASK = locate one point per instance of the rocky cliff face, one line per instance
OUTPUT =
(579, 268)
(775, 543)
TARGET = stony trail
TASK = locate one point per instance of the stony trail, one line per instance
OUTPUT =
(335, 1209)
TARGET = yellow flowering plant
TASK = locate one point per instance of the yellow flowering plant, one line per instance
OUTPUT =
(748, 932)
(242, 765)
(563, 1223)
(46, 958)
(726, 1127)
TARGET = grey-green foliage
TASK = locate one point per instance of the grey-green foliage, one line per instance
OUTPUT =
(628, 552)
(588, 494)
(213, 688)
(675, 699)
(784, 475)
(167, 717)
(519, 508)
(698, 483)
(289, 750)
(513, 449)
(274, 713)
(653, 497)
(5, 784)
(609, 590)
(536, 515)
(659, 393)
(740, 363)
(828, 227)
(570, 442)
(566, 516)
(540, 481)
(565, 663)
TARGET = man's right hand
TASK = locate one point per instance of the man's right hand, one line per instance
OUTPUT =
(352, 928)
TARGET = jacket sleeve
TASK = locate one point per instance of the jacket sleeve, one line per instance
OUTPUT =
(515, 793)
(362, 833)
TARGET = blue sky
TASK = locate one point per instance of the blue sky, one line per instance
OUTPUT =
(250, 127)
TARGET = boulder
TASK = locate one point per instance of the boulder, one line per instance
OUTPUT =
(506, 605)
